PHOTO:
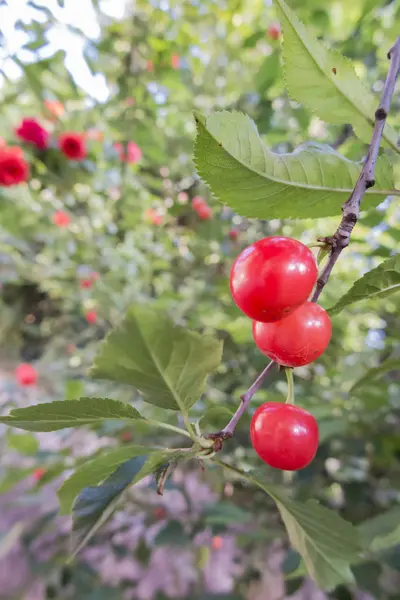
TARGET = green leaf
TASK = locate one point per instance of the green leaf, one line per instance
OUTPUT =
(325, 81)
(93, 472)
(52, 416)
(166, 363)
(94, 505)
(383, 531)
(225, 513)
(216, 416)
(25, 443)
(268, 72)
(391, 364)
(73, 389)
(326, 543)
(313, 181)
(172, 534)
(380, 282)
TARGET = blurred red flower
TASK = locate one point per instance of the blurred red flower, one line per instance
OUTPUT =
(26, 374)
(73, 145)
(32, 132)
(133, 154)
(13, 167)
(91, 316)
(61, 218)
(54, 107)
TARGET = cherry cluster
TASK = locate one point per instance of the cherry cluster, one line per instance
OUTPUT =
(271, 282)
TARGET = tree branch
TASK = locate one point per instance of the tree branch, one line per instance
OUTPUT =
(351, 208)
(341, 238)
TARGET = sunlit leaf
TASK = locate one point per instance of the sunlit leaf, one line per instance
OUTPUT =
(313, 181)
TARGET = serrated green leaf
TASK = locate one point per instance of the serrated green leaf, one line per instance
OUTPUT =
(94, 505)
(326, 543)
(391, 364)
(56, 415)
(93, 472)
(168, 364)
(380, 282)
(313, 181)
(325, 81)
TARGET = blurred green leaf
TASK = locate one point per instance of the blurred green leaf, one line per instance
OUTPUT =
(172, 534)
(25, 443)
(325, 81)
(380, 282)
(168, 364)
(392, 364)
(313, 181)
(225, 513)
(73, 389)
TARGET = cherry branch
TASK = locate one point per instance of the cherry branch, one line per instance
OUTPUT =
(341, 238)
(245, 400)
(351, 208)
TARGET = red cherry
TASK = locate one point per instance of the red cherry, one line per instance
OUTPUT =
(274, 31)
(38, 474)
(272, 277)
(126, 436)
(204, 212)
(198, 201)
(233, 235)
(284, 436)
(91, 316)
(298, 339)
(26, 374)
(61, 219)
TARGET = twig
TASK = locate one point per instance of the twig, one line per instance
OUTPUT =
(351, 208)
(245, 400)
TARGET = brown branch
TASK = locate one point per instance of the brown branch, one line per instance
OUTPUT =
(351, 208)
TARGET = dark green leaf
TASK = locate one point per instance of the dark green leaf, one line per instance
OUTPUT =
(172, 534)
(225, 513)
(381, 532)
(74, 413)
(94, 505)
(93, 472)
(313, 181)
(169, 365)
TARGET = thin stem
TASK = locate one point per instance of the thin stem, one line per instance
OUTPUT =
(245, 400)
(351, 208)
(290, 382)
(168, 426)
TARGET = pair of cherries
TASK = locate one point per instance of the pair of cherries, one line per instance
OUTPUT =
(271, 282)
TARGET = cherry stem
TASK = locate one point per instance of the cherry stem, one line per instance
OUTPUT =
(290, 382)
(351, 208)
(245, 400)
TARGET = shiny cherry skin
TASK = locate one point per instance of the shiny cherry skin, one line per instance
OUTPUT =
(272, 277)
(297, 340)
(284, 436)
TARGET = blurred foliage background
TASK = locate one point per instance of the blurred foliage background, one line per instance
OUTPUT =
(124, 72)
